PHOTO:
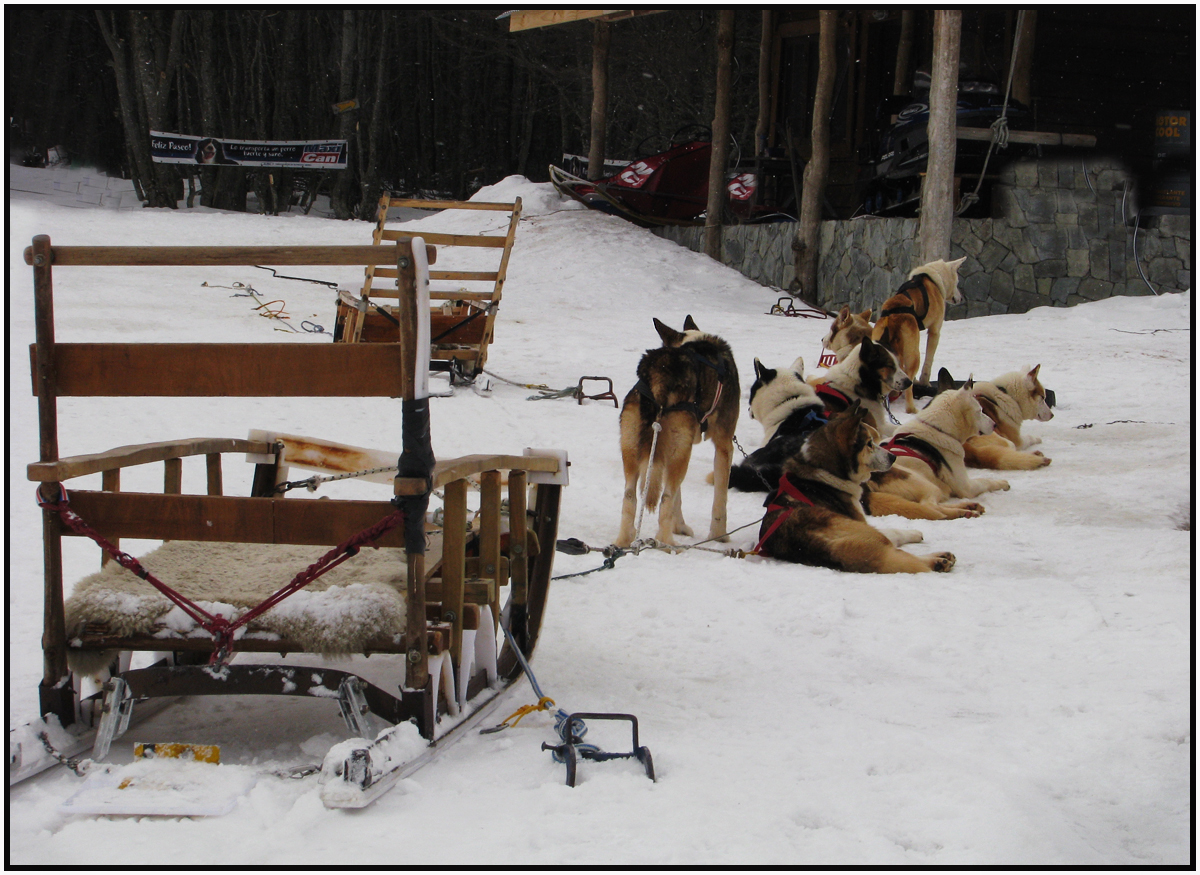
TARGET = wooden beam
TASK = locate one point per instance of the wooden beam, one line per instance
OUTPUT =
(229, 518)
(527, 19)
(171, 256)
(240, 370)
(720, 137)
(1041, 138)
(937, 193)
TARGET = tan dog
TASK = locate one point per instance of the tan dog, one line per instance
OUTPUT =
(816, 515)
(689, 387)
(846, 332)
(1009, 400)
(932, 466)
(918, 305)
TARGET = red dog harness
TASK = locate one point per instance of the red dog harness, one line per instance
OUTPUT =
(825, 391)
(899, 449)
(788, 488)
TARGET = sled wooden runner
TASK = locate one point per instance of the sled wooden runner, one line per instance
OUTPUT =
(452, 581)
(463, 319)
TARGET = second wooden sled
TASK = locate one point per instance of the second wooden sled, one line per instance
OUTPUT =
(440, 602)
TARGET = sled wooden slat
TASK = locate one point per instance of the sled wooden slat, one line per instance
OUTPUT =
(96, 636)
(441, 205)
(143, 454)
(174, 256)
(489, 276)
(241, 370)
(481, 240)
(230, 518)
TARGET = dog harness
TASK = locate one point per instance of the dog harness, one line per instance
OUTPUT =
(774, 503)
(827, 393)
(913, 285)
(692, 407)
(907, 445)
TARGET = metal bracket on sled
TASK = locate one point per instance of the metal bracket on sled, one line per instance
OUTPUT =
(356, 712)
(570, 754)
(118, 707)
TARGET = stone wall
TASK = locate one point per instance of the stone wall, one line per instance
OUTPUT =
(1058, 237)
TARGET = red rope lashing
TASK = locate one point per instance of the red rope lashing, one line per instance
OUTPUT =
(220, 628)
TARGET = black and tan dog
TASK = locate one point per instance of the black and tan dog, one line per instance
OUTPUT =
(789, 410)
(689, 387)
(816, 515)
(931, 468)
(868, 374)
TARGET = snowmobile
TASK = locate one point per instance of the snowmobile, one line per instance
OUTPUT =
(893, 175)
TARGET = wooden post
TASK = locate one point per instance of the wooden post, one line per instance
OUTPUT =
(900, 84)
(817, 169)
(600, 39)
(937, 194)
(212, 465)
(518, 541)
(720, 137)
(56, 694)
(1026, 32)
(489, 535)
(764, 85)
(110, 481)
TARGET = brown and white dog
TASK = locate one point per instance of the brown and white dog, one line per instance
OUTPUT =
(918, 305)
(689, 387)
(869, 374)
(816, 515)
(1009, 400)
(846, 332)
(931, 468)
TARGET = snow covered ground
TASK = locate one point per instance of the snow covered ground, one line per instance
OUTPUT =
(1032, 707)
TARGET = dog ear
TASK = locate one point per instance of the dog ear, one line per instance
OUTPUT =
(798, 367)
(689, 324)
(865, 315)
(762, 372)
(945, 381)
(670, 337)
(843, 316)
(957, 264)
(970, 384)
(1031, 377)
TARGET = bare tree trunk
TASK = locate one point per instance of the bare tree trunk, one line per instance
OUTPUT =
(720, 137)
(904, 53)
(937, 194)
(764, 84)
(1022, 87)
(817, 170)
(600, 40)
(369, 183)
(136, 139)
(340, 198)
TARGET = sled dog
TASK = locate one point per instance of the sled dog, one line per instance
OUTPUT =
(789, 410)
(816, 517)
(931, 467)
(918, 305)
(689, 386)
(869, 373)
(1008, 400)
(846, 332)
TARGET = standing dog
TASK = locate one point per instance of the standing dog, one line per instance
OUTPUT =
(789, 410)
(816, 515)
(868, 373)
(689, 387)
(918, 305)
(931, 467)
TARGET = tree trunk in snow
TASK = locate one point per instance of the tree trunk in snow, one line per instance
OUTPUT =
(937, 194)
(764, 85)
(720, 137)
(817, 169)
(599, 131)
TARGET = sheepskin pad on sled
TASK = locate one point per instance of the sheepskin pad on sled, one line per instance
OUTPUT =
(359, 600)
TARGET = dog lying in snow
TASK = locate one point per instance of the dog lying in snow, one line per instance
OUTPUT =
(931, 468)
(816, 516)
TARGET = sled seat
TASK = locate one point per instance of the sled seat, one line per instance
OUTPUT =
(227, 550)
(465, 301)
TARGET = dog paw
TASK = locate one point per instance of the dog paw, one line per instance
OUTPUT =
(998, 486)
(941, 561)
(684, 529)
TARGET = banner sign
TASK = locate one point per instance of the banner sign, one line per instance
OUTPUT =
(301, 154)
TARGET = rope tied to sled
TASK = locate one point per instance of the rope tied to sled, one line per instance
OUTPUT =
(221, 629)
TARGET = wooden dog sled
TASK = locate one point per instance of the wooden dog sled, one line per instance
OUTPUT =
(463, 320)
(441, 585)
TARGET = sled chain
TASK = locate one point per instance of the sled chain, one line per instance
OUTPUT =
(76, 765)
(313, 482)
